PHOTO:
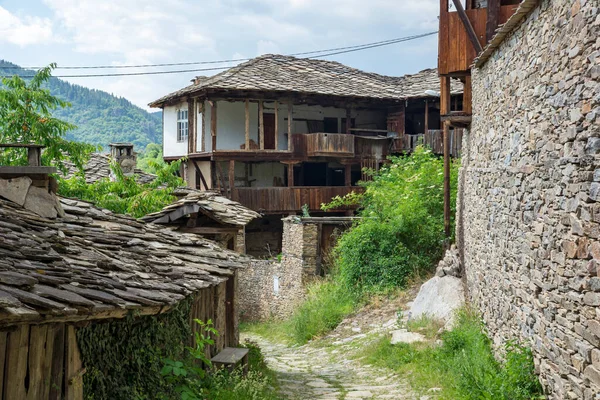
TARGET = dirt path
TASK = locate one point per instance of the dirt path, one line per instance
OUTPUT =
(327, 368)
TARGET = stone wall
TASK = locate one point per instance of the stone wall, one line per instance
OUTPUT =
(530, 181)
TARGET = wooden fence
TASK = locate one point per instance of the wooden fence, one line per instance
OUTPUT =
(433, 139)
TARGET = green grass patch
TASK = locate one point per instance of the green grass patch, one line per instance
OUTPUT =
(463, 367)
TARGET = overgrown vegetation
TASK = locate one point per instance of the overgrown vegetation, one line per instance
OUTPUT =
(125, 195)
(401, 233)
(146, 358)
(463, 366)
(26, 109)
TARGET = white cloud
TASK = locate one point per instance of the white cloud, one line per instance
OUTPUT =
(24, 31)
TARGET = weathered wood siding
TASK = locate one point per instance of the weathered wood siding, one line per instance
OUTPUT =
(286, 199)
(433, 139)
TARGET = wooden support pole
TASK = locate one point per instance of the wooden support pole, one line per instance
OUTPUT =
(203, 133)
(290, 174)
(261, 125)
(247, 108)
(467, 96)
(213, 124)
(348, 121)
(276, 125)
(444, 95)
(191, 124)
(231, 175)
(290, 117)
(426, 126)
(468, 27)
(447, 179)
(348, 175)
(493, 17)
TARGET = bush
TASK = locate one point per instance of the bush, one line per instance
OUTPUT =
(463, 366)
(401, 232)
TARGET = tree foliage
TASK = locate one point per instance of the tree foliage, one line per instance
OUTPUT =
(401, 232)
(125, 195)
(151, 159)
(26, 116)
(100, 117)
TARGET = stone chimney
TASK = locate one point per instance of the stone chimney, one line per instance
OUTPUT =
(31, 186)
(124, 155)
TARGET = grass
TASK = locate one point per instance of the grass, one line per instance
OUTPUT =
(463, 367)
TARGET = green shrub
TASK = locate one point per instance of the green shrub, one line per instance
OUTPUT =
(463, 366)
(401, 232)
(326, 305)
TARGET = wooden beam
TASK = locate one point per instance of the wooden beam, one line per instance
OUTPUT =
(191, 130)
(467, 96)
(348, 175)
(276, 124)
(213, 124)
(493, 17)
(209, 230)
(203, 133)
(468, 27)
(444, 95)
(231, 175)
(247, 108)
(290, 118)
(261, 125)
(447, 179)
(290, 174)
(426, 126)
(199, 173)
(348, 121)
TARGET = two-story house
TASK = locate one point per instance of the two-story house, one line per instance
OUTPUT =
(277, 132)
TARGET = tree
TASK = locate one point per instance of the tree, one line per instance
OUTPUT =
(26, 117)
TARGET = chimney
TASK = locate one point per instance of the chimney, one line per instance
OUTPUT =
(31, 186)
(124, 155)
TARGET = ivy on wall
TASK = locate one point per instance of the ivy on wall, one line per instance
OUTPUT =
(123, 357)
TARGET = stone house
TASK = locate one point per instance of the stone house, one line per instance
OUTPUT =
(66, 265)
(529, 189)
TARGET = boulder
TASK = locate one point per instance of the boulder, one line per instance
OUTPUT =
(438, 298)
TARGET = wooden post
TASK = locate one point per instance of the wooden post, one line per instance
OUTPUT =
(348, 175)
(348, 121)
(426, 126)
(493, 16)
(231, 175)
(445, 110)
(261, 125)
(213, 124)
(467, 96)
(276, 125)
(247, 107)
(468, 27)
(191, 123)
(203, 133)
(290, 117)
(290, 174)
(73, 367)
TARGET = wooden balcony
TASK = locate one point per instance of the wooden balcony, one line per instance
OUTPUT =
(433, 139)
(329, 145)
(274, 200)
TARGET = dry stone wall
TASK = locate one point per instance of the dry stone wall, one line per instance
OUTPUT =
(530, 201)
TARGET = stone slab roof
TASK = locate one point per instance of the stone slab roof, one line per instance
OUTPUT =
(211, 204)
(92, 264)
(98, 167)
(277, 73)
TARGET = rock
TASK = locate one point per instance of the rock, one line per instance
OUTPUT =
(439, 298)
(403, 336)
(41, 202)
(15, 189)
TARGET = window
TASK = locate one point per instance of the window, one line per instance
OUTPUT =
(182, 125)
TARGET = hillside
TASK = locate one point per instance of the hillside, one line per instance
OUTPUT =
(101, 118)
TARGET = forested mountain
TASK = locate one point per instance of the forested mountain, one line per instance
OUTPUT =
(101, 118)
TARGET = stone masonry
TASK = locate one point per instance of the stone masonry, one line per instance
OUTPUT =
(529, 225)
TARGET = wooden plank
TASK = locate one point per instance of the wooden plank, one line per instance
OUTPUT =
(261, 125)
(191, 124)
(73, 367)
(289, 130)
(231, 176)
(493, 18)
(16, 363)
(467, 96)
(200, 174)
(468, 27)
(247, 119)
(426, 125)
(37, 362)
(3, 339)
(209, 230)
(290, 174)
(203, 133)
(220, 316)
(57, 368)
(213, 124)
(444, 95)
(276, 125)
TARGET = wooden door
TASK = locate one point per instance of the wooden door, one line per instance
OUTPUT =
(269, 121)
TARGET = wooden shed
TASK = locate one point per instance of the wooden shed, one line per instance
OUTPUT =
(88, 266)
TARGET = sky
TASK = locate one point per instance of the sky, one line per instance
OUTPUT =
(127, 32)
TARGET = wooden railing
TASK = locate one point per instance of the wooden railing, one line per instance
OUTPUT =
(289, 199)
(324, 144)
(433, 139)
